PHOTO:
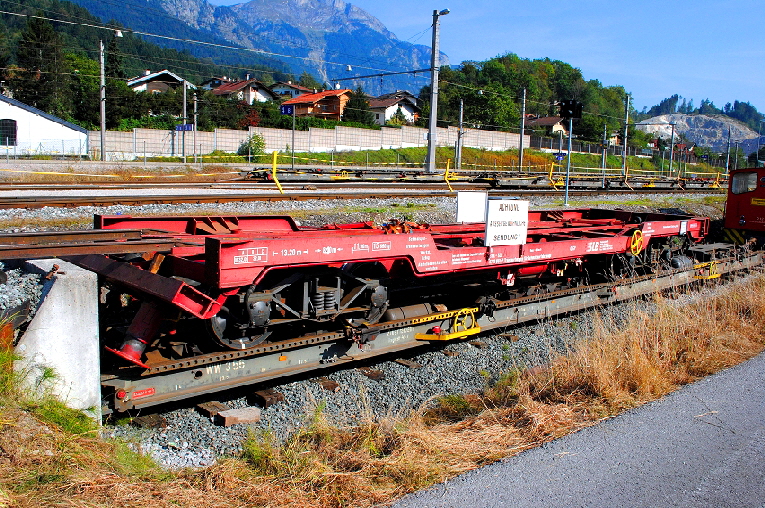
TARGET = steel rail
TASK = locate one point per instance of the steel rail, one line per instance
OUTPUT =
(300, 195)
(46, 244)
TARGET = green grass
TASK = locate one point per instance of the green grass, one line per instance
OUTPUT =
(70, 420)
(476, 158)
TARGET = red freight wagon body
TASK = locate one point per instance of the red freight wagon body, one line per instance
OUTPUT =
(242, 254)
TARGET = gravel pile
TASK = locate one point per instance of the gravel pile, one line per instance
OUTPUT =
(191, 440)
(19, 288)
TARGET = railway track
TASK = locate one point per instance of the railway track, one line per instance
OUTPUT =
(302, 192)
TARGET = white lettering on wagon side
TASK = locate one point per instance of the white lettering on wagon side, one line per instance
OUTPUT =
(251, 255)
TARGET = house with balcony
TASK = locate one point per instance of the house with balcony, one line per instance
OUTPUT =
(249, 91)
(329, 104)
(157, 82)
(290, 90)
(215, 82)
(385, 106)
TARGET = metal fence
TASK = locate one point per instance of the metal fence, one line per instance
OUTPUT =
(51, 148)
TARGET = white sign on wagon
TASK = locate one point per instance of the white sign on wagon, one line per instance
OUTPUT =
(471, 206)
(507, 222)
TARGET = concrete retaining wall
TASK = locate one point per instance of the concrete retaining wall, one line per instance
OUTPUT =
(128, 146)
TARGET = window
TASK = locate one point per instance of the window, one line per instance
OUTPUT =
(7, 132)
(744, 182)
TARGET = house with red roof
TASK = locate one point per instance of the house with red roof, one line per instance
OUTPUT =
(215, 82)
(290, 89)
(249, 91)
(329, 104)
(385, 106)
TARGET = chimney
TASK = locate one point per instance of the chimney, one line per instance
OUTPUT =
(247, 78)
(146, 72)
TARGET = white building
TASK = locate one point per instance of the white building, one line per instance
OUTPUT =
(157, 82)
(249, 91)
(385, 107)
(25, 130)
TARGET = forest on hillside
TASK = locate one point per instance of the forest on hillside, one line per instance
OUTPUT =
(492, 93)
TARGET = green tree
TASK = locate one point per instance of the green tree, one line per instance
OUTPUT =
(84, 90)
(42, 80)
(398, 118)
(114, 68)
(253, 145)
(308, 81)
(357, 108)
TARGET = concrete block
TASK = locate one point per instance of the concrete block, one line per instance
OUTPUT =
(212, 408)
(244, 415)
(267, 398)
(63, 338)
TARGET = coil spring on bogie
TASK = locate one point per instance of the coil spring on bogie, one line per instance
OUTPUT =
(317, 299)
(329, 300)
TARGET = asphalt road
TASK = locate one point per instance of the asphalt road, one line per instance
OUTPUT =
(702, 446)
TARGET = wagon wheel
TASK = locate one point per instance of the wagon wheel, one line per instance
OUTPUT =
(224, 332)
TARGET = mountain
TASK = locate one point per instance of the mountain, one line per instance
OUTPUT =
(322, 37)
(704, 130)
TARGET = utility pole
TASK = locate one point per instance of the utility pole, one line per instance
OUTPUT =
(671, 148)
(194, 138)
(523, 128)
(727, 158)
(626, 125)
(604, 149)
(568, 157)
(102, 101)
(293, 137)
(460, 133)
(183, 134)
(430, 162)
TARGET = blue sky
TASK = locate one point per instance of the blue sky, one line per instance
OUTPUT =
(698, 49)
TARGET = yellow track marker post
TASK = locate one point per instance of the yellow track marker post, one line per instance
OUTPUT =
(446, 175)
(273, 173)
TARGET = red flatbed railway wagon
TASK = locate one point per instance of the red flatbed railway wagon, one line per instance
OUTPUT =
(252, 279)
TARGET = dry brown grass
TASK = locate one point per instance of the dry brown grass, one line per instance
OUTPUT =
(122, 175)
(619, 366)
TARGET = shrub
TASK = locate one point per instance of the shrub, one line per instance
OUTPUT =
(253, 145)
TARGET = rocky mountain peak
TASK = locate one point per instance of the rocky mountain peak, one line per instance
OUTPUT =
(322, 15)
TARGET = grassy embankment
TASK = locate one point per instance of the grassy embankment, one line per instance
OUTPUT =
(52, 456)
(212, 167)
